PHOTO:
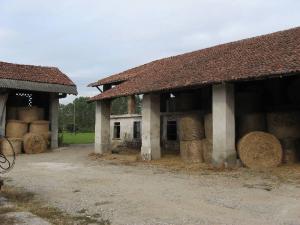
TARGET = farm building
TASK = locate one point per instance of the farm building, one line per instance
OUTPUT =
(29, 103)
(238, 100)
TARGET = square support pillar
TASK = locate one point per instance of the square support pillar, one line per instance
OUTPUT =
(54, 108)
(151, 127)
(102, 127)
(224, 152)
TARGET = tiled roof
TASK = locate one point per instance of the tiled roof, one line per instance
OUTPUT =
(264, 56)
(41, 74)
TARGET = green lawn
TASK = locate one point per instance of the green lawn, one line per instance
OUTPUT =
(79, 138)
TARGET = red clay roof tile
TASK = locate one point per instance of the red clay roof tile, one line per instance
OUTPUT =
(254, 58)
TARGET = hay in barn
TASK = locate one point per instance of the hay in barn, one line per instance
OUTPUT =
(191, 127)
(191, 151)
(16, 128)
(284, 124)
(250, 122)
(291, 149)
(41, 127)
(41, 113)
(208, 126)
(11, 113)
(6, 148)
(260, 150)
(34, 143)
(207, 148)
(28, 114)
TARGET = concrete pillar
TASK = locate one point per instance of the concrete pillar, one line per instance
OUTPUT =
(53, 113)
(102, 127)
(3, 100)
(151, 127)
(131, 104)
(224, 153)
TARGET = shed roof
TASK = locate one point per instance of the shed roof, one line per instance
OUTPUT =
(264, 56)
(40, 78)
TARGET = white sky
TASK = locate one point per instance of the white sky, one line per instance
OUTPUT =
(91, 39)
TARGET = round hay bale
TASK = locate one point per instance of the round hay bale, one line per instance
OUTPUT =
(251, 122)
(191, 128)
(28, 114)
(191, 151)
(34, 143)
(6, 147)
(11, 113)
(284, 124)
(16, 128)
(40, 127)
(260, 150)
(208, 126)
(290, 150)
(207, 148)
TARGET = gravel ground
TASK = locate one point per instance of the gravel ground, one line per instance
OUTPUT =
(143, 194)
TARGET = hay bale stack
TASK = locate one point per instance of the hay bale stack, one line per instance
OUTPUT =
(191, 127)
(6, 148)
(207, 148)
(290, 150)
(11, 113)
(251, 122)
(284, 124)
(260, 150)
(41, 113)
(40, 127)
(29, 114)
(34, 143)
(16, 128)
(208, 126)
(191, 151)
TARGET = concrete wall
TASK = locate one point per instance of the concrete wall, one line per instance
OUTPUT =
(126, 128)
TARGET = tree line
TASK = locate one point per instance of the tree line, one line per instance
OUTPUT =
(82, 113)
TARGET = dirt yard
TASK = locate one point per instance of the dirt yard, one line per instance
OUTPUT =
(156, 193)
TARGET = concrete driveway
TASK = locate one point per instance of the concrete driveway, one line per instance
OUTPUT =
(70, 180)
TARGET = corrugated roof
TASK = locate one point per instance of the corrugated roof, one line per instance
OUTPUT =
(254, 58)
(34, 74)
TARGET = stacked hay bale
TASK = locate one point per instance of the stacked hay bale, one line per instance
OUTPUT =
(191, 135)
(207, 142)
(15, 130)
(26, 119)
(286, 127)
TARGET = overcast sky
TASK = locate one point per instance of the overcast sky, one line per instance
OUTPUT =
(91, 39)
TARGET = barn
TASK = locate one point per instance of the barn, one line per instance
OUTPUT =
(30, 94)
(239, 99)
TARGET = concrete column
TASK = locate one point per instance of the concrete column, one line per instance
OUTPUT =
(3, 100)
(54, 108)
(151, 127)
(224, 153)
(102, 127)
(131, 104)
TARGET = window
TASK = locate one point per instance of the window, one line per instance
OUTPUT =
(137, 130)
(172, 130)
(117, 130)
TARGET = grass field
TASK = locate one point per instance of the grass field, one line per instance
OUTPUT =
(79, 138)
